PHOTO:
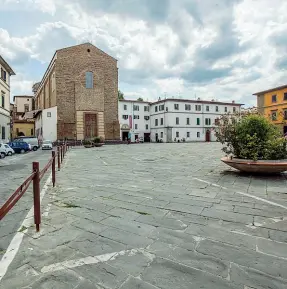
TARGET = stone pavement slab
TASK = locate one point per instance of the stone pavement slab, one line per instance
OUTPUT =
(154, 216)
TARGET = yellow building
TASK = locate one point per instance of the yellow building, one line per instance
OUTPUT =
(272, 103)
(23, 128)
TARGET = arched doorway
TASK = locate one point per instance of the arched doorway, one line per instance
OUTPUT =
(207, 136)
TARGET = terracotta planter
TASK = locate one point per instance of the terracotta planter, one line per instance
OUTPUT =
(250, 166)
(98, 144)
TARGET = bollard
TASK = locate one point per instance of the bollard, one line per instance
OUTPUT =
(54, 168)
(61, 149)
(59, 161)
(36, 195)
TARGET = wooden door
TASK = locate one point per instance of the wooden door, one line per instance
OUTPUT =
(91, 129)
(207, 136)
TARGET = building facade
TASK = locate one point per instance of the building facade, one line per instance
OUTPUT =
(23, 125)
(272, 103)
(173, 120)
(5, 120)
(134, 116)
(81, 82)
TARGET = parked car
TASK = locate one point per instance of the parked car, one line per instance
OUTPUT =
(47, 145)
(31, 140)
(19, 146)
(9, 151)
(2, 152)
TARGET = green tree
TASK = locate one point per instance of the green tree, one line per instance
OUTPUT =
(120, 95)
(140, 99)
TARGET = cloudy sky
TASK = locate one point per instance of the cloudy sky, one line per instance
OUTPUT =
(221, 49)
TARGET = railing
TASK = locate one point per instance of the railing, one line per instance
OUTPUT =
(36, 177)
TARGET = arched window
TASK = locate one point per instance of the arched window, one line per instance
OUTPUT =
(89, 79)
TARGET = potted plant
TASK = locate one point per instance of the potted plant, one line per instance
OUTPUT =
(98, 141)
(252, 143)
(87, 143)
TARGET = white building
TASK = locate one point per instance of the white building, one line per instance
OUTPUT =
(6, 72)
(134, 116)
(172, 120)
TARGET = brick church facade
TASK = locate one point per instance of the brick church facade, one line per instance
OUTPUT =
(81, 83)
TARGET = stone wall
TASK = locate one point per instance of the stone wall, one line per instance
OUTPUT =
(72, 95)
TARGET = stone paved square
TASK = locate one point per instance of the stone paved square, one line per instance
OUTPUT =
(156, 216)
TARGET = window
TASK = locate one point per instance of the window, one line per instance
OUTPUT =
(136, 108)
(198, 107)
(187, 121)
(2, 99)
(225, 108)
(3, 74)
(136, 117)
(161, 107)
(177, 120)
(161, 134)
(187, 107)
(177, 134)
(274, 115)
(207, 121)
(146, 126)
(89, 79)
(188, 134)
(216, 122)
(125, 107)
(161, 121)
(156, 122)
(216, 109)
(26, 107)
(17, 131)
(234, 109)
(49, 114)
(285, 96)
(146, 117)
(285, 114)
(146, 108)
(207, 108)
(3, 132)
(176, 106)
(198, 121)
(125, 116)
(136, 126)
(155, 109)
(198, 134)
(274, 98)
(32, 132)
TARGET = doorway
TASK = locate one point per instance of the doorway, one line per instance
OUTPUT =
(156, 137)
(169, 134)
(91, 129)
(125, 135)
(207, 136)
(147, 137)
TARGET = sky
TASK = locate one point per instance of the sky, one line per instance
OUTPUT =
(209, 49)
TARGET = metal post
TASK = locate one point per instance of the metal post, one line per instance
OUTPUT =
(59, 160)
(36, 195)
(54, 168)
(61, 149)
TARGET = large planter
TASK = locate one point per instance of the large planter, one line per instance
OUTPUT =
(98, 144)
(88, 146)
(250, 166)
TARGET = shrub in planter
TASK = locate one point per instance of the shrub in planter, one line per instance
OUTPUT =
(87, 143)
(251, 137)
(97, 139)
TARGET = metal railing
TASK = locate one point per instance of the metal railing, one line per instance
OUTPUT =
(36, 177)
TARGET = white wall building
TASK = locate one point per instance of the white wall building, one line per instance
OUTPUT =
(46, 124)
(5, 74)
(172, 120)
(134, 116)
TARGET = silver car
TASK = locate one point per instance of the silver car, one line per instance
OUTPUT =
(47, 145)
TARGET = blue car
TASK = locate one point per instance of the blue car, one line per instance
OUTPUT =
(19, 147)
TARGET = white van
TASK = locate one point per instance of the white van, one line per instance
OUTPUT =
(31, 140)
